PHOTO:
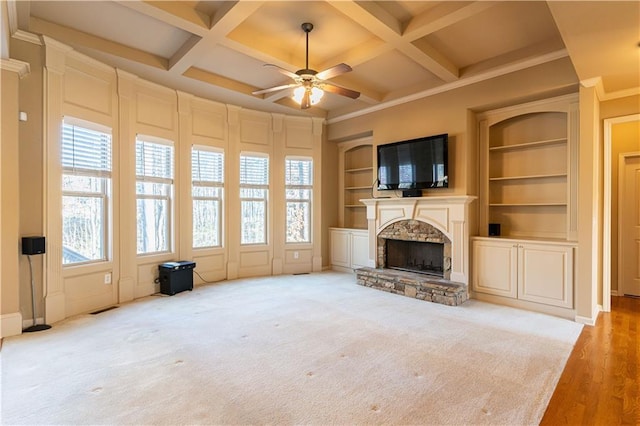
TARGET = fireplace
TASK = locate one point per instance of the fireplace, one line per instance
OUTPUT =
(437, 225)
(414, 246)
(415, 256)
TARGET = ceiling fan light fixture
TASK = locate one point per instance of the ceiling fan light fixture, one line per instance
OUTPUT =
(315, 94)
(309, 84)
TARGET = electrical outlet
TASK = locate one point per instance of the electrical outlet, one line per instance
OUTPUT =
(296, 255)
(107, 278)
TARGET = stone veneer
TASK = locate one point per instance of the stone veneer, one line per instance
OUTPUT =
(414, 285)
(414, 230)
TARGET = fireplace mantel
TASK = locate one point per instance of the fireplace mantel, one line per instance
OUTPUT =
(449, 214)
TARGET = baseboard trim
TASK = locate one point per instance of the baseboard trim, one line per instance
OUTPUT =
(594, 316)
(342, 269)
(10, 324)
(614, 293)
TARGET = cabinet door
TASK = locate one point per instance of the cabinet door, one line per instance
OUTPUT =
(546, 274)
(495, 268)
(359, 249)
(340, 248)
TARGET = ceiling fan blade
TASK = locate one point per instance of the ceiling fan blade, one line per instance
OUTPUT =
(333, 71)
(306, 99)
(283, 71)
(332, 88)
(274, 89)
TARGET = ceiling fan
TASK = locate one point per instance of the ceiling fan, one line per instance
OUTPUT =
(311, 84)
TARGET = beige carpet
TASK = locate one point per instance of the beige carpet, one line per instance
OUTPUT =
(309, 349)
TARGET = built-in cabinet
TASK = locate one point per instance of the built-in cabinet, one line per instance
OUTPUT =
(524, 270)
(355, 181)
(528, 188)
(349, 248)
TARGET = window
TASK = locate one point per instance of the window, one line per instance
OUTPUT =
(207, 177)
(299, 185)
(86, 191)
(154, 194)
(254, 192)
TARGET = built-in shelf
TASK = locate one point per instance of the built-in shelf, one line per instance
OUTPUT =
(526, 145)
(528, 205)
(545, 176)
(355, 180)
(358, 170)
(528, 160)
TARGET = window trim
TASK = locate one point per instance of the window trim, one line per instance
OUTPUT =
(220, 200)
(308, 201)
(106, 193)
(266, 187)
(170, 199)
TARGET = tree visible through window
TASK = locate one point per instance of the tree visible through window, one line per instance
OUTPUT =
(86, 190)
(154, 194)
(299, 186)
(254, 192)
(207, 171)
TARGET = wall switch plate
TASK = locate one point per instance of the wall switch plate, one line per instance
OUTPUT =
(296, 255)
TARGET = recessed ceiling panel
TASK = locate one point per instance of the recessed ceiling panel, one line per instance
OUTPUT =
(501, 29)
(275, 29)
(382, 72)
(114, 22)
(237, 66)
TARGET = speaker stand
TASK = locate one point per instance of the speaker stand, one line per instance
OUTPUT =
(34, 327)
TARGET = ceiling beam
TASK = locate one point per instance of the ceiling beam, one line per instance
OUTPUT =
(175, 14)
(218, 80)
(228, 17)
(442, 16)
(76, 38)
(386, 27)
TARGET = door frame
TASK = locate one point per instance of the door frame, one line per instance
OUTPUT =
(606, 232)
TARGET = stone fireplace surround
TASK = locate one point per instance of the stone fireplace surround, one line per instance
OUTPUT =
(415, 231)
(437, 219)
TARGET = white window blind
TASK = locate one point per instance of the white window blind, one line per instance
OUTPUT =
(298, 172)
(85, 151)
(254, 169)
(154, 160)
(207, 165)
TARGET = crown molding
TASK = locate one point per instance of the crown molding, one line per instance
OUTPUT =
(465, 81)
(19, 67)
(28, 37)
(603, 95)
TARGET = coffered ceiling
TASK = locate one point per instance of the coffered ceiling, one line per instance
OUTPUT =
(399, 50)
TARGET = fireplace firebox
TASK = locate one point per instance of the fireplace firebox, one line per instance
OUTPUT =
(415, 256)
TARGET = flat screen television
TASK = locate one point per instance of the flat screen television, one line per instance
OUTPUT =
(414, 164)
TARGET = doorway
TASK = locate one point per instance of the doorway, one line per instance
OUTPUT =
(621, 134)
(629, 225)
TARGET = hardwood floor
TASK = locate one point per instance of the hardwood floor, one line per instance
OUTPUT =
(600, 384)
